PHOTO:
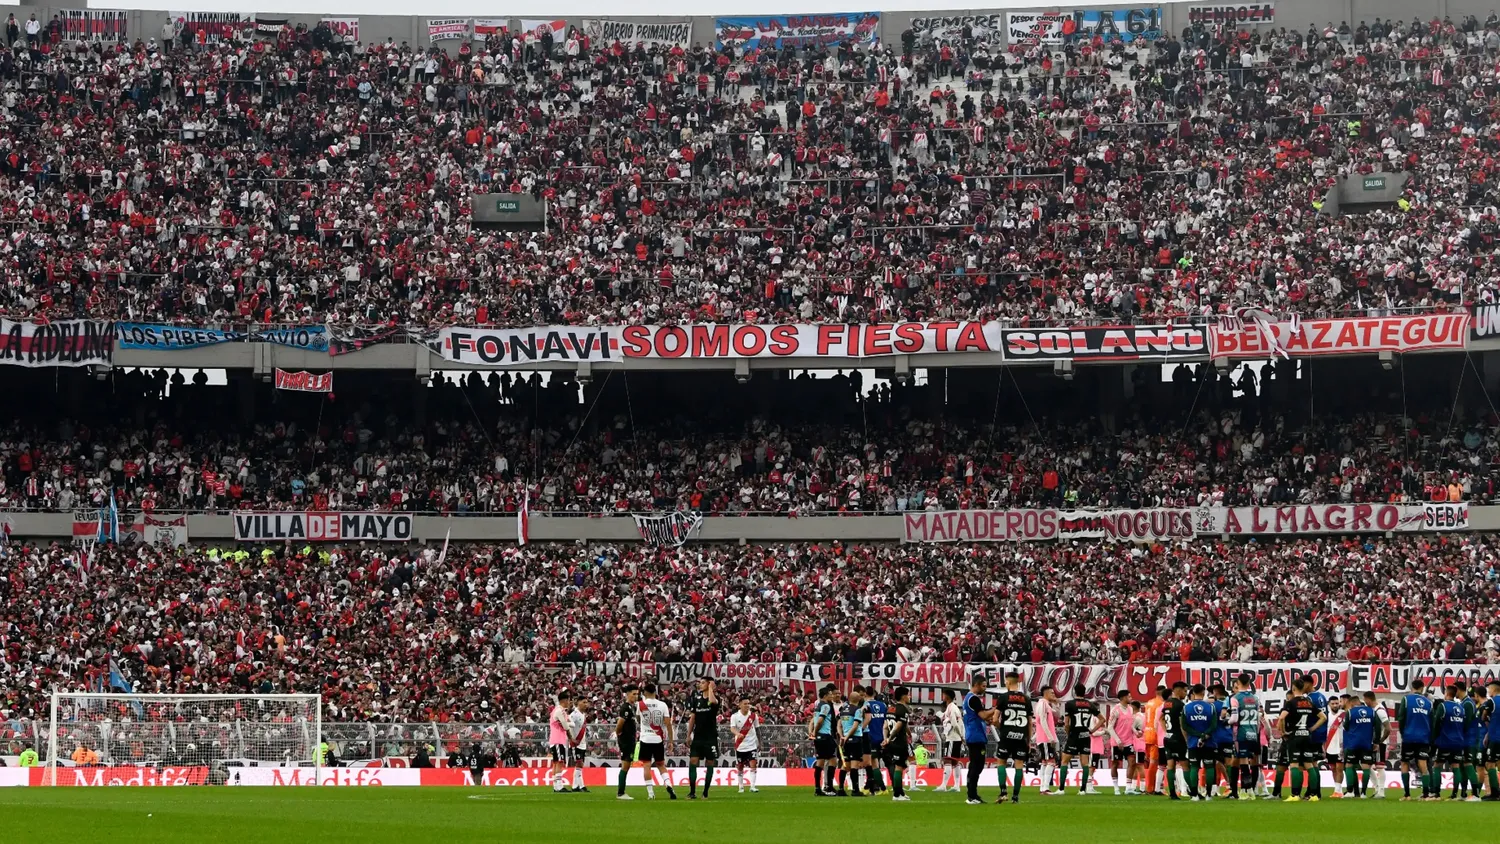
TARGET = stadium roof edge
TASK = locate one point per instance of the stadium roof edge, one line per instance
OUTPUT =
(569, 8)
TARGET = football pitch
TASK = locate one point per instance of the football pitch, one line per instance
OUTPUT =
(450, 815)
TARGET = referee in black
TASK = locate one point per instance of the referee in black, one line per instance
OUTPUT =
(627, 734)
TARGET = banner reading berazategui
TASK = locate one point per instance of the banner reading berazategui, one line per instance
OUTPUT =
(704, 341)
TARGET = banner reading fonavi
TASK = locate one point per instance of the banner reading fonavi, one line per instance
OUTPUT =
(777, 31)
(497, 347)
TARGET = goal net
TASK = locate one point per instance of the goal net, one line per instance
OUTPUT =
(191, 739)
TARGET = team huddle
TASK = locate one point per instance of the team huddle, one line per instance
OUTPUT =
(1197, 743)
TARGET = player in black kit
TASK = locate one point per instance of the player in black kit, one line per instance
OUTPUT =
(1078, 720)
(704, 704)
(1013, 725)
(897, 744)
(627, 733)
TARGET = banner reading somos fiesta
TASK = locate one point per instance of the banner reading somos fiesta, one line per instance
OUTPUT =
(705, 341)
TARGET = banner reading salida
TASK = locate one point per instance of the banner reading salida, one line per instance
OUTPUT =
(710, 341)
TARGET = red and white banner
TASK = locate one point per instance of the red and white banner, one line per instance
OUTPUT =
(1314, 518)
(313, 526)
(122, 775)
(1031, 525)
(521, 346)
(447, 29)
(86, 527)
(344, 27)
(1359, 335)
(531, 30)
(490, 26)
(1396, 679)
(305, 382)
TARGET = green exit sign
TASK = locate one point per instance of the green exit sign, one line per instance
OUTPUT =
(1374, 183)
(507, 206)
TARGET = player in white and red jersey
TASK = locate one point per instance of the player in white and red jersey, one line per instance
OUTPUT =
(1044, 735)
(746, 742)
(1123, 737)
(557, 739)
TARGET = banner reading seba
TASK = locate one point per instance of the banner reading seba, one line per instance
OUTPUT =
(322, 527)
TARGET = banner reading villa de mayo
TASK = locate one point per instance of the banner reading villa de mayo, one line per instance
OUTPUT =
(1167, 523)
(497, 347)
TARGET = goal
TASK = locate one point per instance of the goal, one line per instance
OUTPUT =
(189, 739)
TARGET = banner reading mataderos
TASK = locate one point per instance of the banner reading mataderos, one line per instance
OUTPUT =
(1313, 337)
(1034, 27)
(517, 346)
(1124, 24)
(1233, 14)
(1040, 525)
(1331, 518)
(171, 338)
(951, 29)
(1104, 342)
(603, 32)
(322, 527)
(776, 31)
(62, 342)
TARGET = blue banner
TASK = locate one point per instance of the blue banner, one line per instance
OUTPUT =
(776, 31)
(313, 338)
(145, 335)
(1125, 24)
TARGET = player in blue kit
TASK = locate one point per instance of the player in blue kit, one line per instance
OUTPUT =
(1361, 734)
(1491, 720)
(1199, 719)
(1320, 734)
(1414, 714)
(874, 780)
(1223, 741)
(1452, 740)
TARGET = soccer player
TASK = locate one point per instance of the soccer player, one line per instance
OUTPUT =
(895, 744)
(627, 734)
(1360, 735)
(1198, 722)
(853, 727)
(577, 745)
(920, 756)
(746, 743)
(1244, 714)
(1123, 737)
(1320, 735)
(1044, 737)
(557, 739)
(1414, 719)
(1174, 748)
(874, 781)
(1474, 752)
(953, 741)
(820, 728)
(1223, 742)
(656, 734)
(1382, 741)
(1013, 724)
(1451, 741)
(704, 705)
(976, 735)
(1300, 721)
(1152, 735)
(1276, 736)
(1078, 721)
(1333, 745)
(1491, 720)
(1138, 777)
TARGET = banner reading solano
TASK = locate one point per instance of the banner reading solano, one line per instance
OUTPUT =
(776, 31)
(670, 530)
(667, 34)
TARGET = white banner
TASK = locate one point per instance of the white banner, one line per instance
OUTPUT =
(344, 27)
(1034, 27)
(670, 530)
(666, 34)
(165, 530)
(447, 29)
(1315, 518)
(1248, 338)
(62, 342)
(704, 341)
(1231, 14)
(322, 527)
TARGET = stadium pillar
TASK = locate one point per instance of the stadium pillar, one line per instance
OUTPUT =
(1489, 364)
(244, 394)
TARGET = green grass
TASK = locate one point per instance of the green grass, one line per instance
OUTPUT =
(449, 815)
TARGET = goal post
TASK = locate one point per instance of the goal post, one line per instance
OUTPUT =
(195, 739)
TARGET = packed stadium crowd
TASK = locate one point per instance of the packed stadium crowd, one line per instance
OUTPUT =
(823, 446)
(305, 179)
(392, 635)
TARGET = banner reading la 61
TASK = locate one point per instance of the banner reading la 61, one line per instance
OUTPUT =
(485, 347)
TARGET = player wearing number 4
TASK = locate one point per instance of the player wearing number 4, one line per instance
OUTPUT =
(746, 743)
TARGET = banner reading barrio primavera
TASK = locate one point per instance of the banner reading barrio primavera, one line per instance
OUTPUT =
(1354, 335)
(322, 527)
(705, 341)
(64, 342)
(629, 33)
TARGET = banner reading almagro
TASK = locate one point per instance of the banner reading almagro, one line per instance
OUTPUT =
(1332, 518)
(313, 526)
(64, 342)
(516, 346)
(664, 34)
(1355, 335)
(1104, 342)
(171, 338)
